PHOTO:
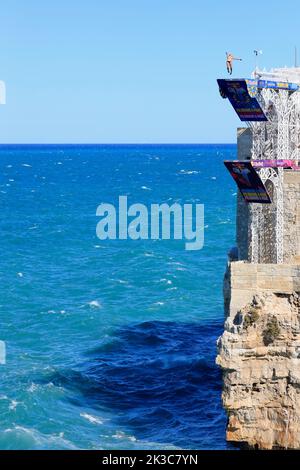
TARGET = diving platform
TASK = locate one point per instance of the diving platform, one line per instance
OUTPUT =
(269, 103)
(244, 93)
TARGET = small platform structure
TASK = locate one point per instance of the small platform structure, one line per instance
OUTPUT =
(269, 103)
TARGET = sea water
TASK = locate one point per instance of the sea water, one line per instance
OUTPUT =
(110, 344)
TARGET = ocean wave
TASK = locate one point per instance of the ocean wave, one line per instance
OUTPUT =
(189, 172)
(95, 304)
(166, 281)
(160, 380)
(123, 435)
(13, 405)
(92, 419)
(156, 380)
(23, 438)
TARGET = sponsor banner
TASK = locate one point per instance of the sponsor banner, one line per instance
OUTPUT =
(274, 163)
(244, 103)
(248, 181)
(242, 95)
(277, 85)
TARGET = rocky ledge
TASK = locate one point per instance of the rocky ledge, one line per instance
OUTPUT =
(259, 353)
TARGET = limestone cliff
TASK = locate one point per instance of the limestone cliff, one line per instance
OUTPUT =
(259, 350)
(259, 353)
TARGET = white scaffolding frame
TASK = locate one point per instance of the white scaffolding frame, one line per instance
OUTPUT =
(275, 175)
(277, 138)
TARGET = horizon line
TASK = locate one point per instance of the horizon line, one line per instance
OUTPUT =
(121, 143)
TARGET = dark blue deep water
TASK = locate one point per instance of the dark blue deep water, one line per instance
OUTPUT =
(110, 344)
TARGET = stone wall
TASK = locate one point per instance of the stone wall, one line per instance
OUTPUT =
(291, 194)
(243, 280)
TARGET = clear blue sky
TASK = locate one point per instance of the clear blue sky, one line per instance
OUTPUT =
(132, 70)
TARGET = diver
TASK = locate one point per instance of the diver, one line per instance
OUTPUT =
(229, 59)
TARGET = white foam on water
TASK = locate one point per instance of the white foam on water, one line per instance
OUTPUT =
(26, 165)
(13, 405)
(20, 274)
(95, 304)
(189, 172)
(92, 419)
(32, 387)
(122, 435)
(167, 281)
(32, 438)
(146, 188)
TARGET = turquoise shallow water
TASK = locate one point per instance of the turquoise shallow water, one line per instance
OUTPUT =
(110, 344)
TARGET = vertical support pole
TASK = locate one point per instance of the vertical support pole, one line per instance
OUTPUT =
(279, 216)
(254, 225)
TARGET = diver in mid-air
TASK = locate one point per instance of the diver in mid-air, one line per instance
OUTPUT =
(229, 59)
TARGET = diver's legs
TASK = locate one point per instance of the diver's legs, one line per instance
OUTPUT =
(229, 67)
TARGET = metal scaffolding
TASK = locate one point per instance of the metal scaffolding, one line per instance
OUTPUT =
(274, 139)
(258, 220)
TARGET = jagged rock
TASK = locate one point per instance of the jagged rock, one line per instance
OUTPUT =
(261, 391)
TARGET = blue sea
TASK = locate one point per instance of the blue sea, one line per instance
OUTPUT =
(110, 344)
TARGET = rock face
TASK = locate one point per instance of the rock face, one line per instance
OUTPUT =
(259, 350)
(259, 353)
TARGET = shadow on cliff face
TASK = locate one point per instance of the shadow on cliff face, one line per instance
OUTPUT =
(160, 380)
